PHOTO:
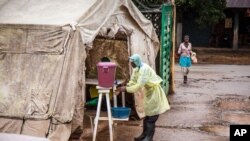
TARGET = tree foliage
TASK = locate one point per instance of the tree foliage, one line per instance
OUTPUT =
(207, 12)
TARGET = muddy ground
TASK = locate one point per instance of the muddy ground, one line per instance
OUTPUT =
(215, 97)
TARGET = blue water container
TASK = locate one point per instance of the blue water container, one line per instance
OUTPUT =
(120, 112)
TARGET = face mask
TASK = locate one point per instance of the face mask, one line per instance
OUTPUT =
(133, 64)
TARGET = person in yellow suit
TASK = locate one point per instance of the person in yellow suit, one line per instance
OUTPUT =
(155, 101)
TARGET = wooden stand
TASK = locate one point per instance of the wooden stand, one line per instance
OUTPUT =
(102, 91)
(105, 91)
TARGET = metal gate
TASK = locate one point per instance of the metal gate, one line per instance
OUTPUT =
(166, 45)
(160, 13)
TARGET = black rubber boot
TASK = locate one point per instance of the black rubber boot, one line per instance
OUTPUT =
(185, 79)
(143, 134)
(150, 131)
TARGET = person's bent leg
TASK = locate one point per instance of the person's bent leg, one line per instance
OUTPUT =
(185, 79)
(143, 134)
(185, 71)
(150, 126)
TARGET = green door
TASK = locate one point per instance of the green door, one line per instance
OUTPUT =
(166, 44)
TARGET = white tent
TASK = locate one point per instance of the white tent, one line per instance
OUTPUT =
(42, 59)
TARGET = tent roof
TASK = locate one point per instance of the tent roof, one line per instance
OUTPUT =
(43, 12)
(87, 15)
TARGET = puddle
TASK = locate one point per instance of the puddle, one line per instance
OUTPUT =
(217, 130)
(234, 104)
(236, 117)
(170, 134)
(226, 78)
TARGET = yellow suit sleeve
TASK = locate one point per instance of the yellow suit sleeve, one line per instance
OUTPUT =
(137, 81)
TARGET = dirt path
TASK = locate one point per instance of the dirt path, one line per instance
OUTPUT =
(215, 97)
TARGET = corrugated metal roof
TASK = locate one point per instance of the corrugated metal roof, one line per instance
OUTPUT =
(238, 3)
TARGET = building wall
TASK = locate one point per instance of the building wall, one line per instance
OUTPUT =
(199, 35)
(217, 35)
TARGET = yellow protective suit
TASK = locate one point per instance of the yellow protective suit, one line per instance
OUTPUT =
(155, 101)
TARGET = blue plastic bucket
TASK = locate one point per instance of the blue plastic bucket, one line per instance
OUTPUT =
(120, 112)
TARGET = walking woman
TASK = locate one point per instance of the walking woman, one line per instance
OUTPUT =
(184, 51)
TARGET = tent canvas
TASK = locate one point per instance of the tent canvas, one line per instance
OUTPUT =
(42, 59)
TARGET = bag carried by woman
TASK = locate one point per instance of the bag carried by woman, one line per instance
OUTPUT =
(193, 57)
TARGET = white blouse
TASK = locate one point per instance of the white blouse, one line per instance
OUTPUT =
(185, 51)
